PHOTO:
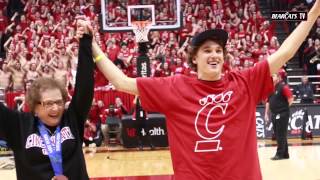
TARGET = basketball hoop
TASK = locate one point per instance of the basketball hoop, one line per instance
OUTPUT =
(141, 30)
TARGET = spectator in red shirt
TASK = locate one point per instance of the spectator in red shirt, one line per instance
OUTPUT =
(119, 105)
(112, 50)
(92, 135)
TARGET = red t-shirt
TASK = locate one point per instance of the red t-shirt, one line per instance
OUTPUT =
(99, 79)
(3, 23)
(286, 92)
(94, 113)
(113, 52)
(211, 124)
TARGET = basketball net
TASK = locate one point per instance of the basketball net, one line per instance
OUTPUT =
(141, 30)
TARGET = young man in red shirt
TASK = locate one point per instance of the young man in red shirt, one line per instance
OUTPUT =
(210, 118)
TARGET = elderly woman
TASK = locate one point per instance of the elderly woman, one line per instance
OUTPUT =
(47, 143)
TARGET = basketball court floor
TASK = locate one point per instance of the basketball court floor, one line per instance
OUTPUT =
(115, 163)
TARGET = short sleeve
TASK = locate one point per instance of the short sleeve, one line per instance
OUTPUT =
(287, 92)
(259, 80)
(155, 93)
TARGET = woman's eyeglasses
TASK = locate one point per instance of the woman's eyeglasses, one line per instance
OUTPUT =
(49, 104)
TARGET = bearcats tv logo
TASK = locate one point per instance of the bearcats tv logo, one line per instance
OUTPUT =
(209, 138)
(289, 16)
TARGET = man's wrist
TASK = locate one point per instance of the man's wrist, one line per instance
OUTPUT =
(98, 58)
(95, 48)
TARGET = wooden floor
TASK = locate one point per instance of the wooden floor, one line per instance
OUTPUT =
(117, 163)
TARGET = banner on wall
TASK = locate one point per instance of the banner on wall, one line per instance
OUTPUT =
(155, 125)
(143, 66)
(297, 112)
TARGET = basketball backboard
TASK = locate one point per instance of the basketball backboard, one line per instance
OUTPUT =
(118, 15)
